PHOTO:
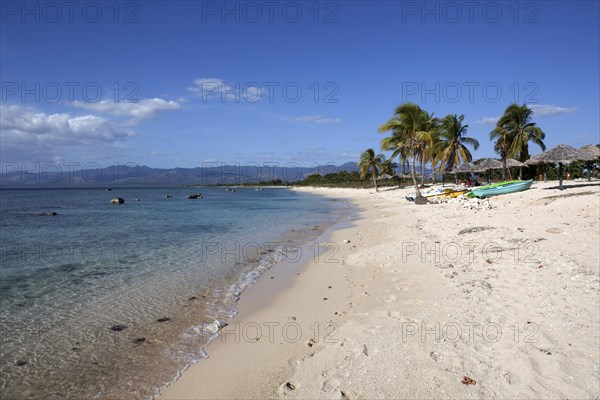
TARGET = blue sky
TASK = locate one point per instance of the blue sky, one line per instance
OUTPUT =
(180, 83)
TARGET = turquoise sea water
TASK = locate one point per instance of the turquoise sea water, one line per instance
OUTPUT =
(112, 301)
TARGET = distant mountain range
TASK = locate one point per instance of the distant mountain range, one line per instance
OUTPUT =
(57, 175)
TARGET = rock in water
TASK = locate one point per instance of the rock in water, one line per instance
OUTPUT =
(118, 328)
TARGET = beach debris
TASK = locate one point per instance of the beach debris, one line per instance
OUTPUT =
(467, 381)
(475, 229)
(118, 327)
(325, 298)
(545, 351)
(138, 340)
(553, 230)
(346, 241)
(488, 261)
(163, 319)
(540, 266)
(193, 298)
(365, 350)
(117, 200)
(310, 343)
(465, 202)
(290, 386)
(20, 363)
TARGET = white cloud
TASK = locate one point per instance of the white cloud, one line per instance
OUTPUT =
(545, 110)
(487, 120)
(143, 109)
(27, 133)
(317, 119)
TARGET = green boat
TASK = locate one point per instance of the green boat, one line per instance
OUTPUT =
(491, 185)
(510, 187)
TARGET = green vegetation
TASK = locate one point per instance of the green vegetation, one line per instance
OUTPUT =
(513, 133)
(416, 137)
(371, 164)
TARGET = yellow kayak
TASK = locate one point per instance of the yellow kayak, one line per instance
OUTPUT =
(449, 193)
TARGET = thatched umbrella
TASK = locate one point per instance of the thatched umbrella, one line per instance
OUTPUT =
(385, 176)
(465, 168)
(561, 154)
(594, 151)
(511, 162)
(486, 164)
(591, 149)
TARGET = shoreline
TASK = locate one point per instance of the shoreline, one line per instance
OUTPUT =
(376, 300)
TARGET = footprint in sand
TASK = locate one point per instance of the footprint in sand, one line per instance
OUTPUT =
(390, 299)
(331, 384)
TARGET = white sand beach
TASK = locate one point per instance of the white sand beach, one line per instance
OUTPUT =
(432, 301)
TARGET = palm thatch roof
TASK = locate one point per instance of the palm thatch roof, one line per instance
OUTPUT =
(385, 176)
(591, 149)
(561, 154)
(485, 164)
(511, 162)
(465, 168)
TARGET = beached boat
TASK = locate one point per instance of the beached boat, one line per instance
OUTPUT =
(510, 187)
(491, 185)
(448, 192)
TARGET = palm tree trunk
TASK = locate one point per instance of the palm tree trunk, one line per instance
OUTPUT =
(423, 169)
(419, 199)
(374, 180)
(504, 169)
(456, 178)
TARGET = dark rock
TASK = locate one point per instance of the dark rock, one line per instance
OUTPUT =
(118, 327)
(20, 363)
(290, 386)
(139, 340)
(193, 298)
(163, 319)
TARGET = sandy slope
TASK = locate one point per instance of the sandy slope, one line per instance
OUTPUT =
(420, 297)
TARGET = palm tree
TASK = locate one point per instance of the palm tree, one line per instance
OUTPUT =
(395, 143)
(452, 148)
(369, 162)
(517, 123)
(408, 127)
